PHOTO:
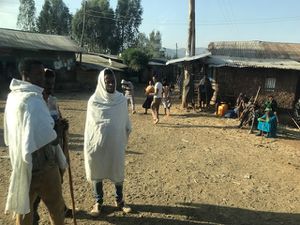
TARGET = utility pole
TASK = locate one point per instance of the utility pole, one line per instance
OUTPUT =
(188, 84)
(83, 23)
(83, 28)
(193, 32)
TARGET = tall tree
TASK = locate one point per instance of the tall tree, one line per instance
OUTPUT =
(155, 45)
(150, 45)
(128, 18)
(54, 18)
(99, 35)
(26, 17)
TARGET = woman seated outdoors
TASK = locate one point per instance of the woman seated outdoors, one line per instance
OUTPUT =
(267, 124)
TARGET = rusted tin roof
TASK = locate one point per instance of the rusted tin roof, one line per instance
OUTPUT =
(256, 49)
(188, 58)
(258, 54)
(240, 62)
(17, 39)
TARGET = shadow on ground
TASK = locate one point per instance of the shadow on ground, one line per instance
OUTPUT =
(288, 134)
(2, 138)
(184, 125)
(76, 142)
(190, 214)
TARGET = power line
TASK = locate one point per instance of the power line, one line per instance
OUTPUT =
(107, 13)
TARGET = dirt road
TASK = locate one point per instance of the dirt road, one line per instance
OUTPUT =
(191, 168)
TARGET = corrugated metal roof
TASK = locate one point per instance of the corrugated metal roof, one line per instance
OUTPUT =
(151, 63)
(256, 49)
(102, 62)
(218, 61)
(35, 41)
(188, 58)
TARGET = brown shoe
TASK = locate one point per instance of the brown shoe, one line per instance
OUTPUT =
(96, 211)
(122, 206)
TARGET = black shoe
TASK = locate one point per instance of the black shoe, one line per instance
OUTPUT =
(68, 212)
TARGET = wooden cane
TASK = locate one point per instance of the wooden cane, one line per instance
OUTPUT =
(66, 151)
(295, 122)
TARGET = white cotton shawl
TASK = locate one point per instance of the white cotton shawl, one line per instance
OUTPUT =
(106, 134)
(28, 126)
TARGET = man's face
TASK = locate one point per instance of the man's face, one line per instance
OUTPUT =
(270, 98)
(37, 75)
(110, 83)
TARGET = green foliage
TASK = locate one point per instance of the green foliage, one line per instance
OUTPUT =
(128, 19)
(54, 18)
(155, 46)
(26, 17)
(152, 45)
(99, 35)
(135, 59)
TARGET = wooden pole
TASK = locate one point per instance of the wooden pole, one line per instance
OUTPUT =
(193, 29)
(66, 151)
(295, 122)
(83, 23)
(190, 52)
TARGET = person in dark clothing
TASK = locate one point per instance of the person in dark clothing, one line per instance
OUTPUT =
(205, 92)
(149, 90)
(248, 114)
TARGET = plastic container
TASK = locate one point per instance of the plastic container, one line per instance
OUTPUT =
(222, 109)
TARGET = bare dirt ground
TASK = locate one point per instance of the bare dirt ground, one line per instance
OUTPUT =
(191, 168)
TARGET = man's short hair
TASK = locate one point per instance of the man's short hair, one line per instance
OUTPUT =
(25, 66)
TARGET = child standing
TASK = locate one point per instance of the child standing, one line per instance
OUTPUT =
(166, 99)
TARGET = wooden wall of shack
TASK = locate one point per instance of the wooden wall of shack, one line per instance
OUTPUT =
(62, 62)
(231, 81)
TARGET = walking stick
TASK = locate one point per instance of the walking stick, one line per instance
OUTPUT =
(66, 151)
(252, 124)
(295, 122)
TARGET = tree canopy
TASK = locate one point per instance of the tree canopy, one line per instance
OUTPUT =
(151, 45)
(26, 16)
(128, 19)
(99, 32)
(136, 59)
(54, 18)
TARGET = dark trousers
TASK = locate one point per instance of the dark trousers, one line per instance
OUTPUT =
(98, 191)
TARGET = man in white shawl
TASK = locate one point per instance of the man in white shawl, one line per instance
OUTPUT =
(29, 133)
(105, 138)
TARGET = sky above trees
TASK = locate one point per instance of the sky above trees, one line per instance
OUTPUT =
(216, 20)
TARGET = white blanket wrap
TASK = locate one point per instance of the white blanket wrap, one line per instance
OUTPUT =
(106, 134)
(28, 126)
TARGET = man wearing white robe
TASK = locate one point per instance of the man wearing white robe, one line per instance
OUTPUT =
(106, 134)
(29, 133)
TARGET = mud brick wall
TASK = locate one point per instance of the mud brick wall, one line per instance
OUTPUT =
(232, 81)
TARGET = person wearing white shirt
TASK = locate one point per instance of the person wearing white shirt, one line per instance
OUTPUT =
(157, 95)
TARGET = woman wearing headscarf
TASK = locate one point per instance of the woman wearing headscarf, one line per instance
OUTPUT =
(106, 134)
